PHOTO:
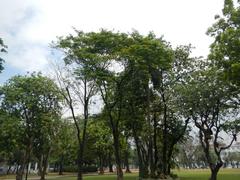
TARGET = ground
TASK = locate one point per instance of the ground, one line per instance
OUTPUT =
(199, 174)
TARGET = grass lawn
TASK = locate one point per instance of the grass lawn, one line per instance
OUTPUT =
(198, 174)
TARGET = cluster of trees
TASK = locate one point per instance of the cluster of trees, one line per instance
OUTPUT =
(150, 93)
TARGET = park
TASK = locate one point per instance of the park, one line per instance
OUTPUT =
(124, 105)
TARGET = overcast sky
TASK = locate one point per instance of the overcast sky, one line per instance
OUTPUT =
(28, 26)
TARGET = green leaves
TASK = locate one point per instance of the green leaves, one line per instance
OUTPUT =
(31, 103)
(225, 51)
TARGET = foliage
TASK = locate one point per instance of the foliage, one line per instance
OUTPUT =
(33, 102)
(225, 50)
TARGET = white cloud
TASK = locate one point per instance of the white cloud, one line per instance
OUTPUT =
(28, 26)
(29, 58)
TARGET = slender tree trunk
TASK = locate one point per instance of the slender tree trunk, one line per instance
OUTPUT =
(27, 167)
(150, 142)
(126, 162)
(79, 175)
(55, 167)
(110, 165)
(61, 165)
(117, 153)
(20, 171)
(164, 153)
(82, 143)
(8, 171)
(101, 170)
(40, 163)
(44, 165)
(143, 170)
(153, 165)
(28, 161)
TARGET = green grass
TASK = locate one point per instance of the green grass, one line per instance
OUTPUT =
(226, 174)
(198, 174)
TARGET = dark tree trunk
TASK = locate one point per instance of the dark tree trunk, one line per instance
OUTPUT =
(8, 171)
(143, 169)
(81, 141)
(28, 161)
(153, 166)
(110, 165)
(61, 165)
(164, 152)
(20, 171)
(126, 162)
(213, 175)
(55, 167)
(117, 153)
(214, 170)
(101, 170)
(43, 164)
(79, 174)
(82, 145)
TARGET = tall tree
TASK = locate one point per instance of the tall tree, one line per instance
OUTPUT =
(77, 88)
(95, 54)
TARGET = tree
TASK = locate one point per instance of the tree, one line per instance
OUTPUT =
(225, 50)
(152, 115)
(207, 100)
(95, 54)
(33, 100)
(76, 88)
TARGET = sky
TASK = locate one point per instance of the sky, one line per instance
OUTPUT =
(29, 26)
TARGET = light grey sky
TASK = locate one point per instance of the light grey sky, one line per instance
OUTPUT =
(28, 26)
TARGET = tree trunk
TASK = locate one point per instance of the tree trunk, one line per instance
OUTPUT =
(117, 153)
(79, 174)
(214, 170)
(20, 171)
(143, 170)
(61, 165)
(154, 161)
(82, 142)
(55, 167)
(45, 165)
(213, 175)
(126, 162)
(110, 165)
(8, 171)
(164, 152)
(81, 149)
(101, 170)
